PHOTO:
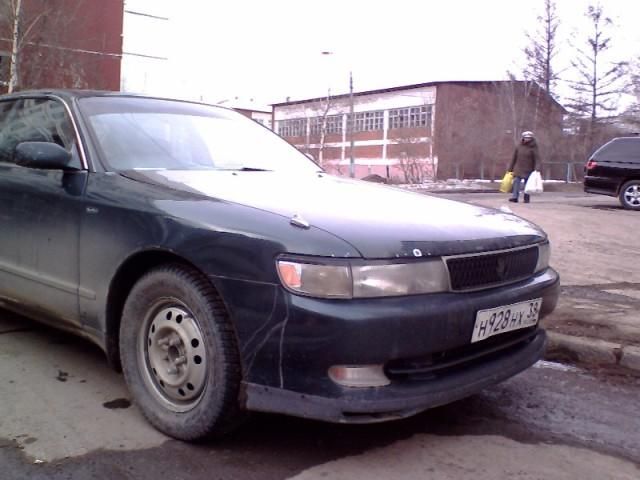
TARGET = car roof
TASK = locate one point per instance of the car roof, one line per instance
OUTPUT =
(65, 93)
(71, 94)
(630, 137)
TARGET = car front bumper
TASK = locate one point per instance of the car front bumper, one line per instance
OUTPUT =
(287, 355)
(398, 400)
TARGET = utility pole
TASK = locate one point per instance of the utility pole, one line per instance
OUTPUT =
(350, 122)
(352, 164)
(15, 47)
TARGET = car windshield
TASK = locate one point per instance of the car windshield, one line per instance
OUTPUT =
(151, 134)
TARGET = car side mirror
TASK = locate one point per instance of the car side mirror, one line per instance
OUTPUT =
(42, 155)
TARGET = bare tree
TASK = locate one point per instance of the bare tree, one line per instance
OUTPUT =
(411, 151)
(503, 109)
(16, 29)
(318, 126)
(542, 49)
(412, 144)
(518, 104)
(38, 36)
(598, 83)
(631, 116)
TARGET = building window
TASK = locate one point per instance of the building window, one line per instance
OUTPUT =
(333, 124)
(368, 121)
(293, 127)
(315, 125)
(410, 117)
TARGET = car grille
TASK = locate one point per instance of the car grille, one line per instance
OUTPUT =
(481, 271)
(441, 364)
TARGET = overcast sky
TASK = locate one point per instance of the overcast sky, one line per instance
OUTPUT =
(270, 50)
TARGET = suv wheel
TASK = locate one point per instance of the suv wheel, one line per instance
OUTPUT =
(179, 354)
(630, 195)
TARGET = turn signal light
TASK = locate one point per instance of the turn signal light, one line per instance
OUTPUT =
(291, 274)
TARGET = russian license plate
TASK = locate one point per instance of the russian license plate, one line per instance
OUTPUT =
(494, 321)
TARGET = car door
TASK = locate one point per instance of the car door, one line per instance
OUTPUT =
(39, 214)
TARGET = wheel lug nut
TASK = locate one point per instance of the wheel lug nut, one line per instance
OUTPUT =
(180, 360)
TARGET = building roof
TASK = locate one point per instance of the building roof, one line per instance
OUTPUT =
(248, 105)
(406, 87)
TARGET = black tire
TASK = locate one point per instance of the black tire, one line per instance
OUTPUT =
(629, 195)
(179, 354)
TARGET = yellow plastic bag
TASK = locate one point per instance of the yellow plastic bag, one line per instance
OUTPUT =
(507, 182)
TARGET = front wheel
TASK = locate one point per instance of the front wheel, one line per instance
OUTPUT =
(630, 195)
(179, 354)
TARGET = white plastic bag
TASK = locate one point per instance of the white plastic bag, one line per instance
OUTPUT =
(534, 183)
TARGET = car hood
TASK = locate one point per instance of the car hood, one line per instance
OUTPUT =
(378, 221)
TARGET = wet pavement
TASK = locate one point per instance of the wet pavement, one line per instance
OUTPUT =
(552, 412)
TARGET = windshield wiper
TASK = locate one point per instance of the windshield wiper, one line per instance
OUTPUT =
(251, 169)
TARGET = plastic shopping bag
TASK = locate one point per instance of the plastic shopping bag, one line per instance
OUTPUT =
(507, 182)
(534, 184)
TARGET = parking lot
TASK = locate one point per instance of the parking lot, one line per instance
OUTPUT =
(594, 250)
(65, 414)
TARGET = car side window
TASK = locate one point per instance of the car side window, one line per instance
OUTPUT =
(8, 137)
(629, 150)
(36, 120)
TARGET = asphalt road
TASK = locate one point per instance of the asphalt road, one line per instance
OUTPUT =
(65, 415)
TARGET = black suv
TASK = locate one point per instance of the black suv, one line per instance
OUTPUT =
(614, 169)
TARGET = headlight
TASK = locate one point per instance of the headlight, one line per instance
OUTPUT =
(544, 253)
(328, 281)
(361, 281)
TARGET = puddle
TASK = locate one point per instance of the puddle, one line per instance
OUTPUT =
(627, 293)
(117, 403)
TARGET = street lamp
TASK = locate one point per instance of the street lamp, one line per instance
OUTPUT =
(352, 165)
(350, 123)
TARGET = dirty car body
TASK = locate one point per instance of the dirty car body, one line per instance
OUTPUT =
(225, 272)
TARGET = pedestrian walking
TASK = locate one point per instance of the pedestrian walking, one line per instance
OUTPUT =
(526, 160)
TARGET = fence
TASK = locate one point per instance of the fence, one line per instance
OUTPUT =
(567, 171)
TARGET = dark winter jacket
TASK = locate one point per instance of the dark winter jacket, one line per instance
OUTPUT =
(526, 159)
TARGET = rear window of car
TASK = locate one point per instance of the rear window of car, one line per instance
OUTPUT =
(619, 150)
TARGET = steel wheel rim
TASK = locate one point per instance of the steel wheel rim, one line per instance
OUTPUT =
(632, 195)
(173, 357)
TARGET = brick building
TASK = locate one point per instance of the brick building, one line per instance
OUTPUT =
(247, 107)
(64, 43)
(416, 132)
(262, 116)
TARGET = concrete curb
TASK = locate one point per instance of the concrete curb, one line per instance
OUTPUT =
(461, 190)
(593, 351)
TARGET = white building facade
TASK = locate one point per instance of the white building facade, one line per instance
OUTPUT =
(392, 132)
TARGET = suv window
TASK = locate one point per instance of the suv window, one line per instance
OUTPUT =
(35, 120)
(619, 150)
